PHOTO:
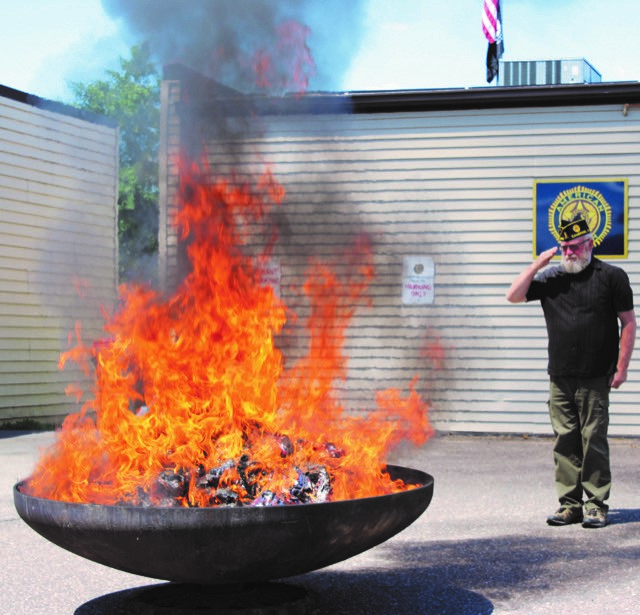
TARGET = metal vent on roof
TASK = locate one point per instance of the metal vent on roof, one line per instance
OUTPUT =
(547, 72)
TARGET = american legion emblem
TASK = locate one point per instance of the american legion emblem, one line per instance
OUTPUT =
(601, 202)
(581, 202)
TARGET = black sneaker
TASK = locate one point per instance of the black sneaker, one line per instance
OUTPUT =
(594, 516)
(565, 516)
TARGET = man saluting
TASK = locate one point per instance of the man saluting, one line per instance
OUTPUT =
(591, 328)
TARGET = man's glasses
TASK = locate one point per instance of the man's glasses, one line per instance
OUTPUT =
(573, 246)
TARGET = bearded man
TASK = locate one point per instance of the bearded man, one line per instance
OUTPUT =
(591, 328)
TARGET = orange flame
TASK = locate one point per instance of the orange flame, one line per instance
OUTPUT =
(192, 401)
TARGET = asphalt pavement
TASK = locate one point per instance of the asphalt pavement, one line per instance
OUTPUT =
(481, 547)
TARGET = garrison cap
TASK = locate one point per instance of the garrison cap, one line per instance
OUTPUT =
(572, 229)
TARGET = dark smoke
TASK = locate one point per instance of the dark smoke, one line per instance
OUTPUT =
(220, 37)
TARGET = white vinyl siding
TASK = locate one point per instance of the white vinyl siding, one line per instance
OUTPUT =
(456, 186)
(58, 250)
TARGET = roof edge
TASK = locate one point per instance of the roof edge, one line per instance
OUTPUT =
(497, 97)
(220, 101)
(55, 106)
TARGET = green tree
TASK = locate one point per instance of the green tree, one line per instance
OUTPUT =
(132, 97)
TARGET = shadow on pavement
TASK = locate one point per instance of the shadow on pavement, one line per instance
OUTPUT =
(353, 594)
(624, 515)
(15, 433)
(464, 577)
(446, 576)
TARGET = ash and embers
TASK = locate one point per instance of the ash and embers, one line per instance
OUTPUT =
(235, 483)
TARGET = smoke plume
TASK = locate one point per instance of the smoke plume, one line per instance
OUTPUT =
(221, 38)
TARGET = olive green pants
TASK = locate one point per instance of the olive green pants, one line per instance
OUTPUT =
(579, 411)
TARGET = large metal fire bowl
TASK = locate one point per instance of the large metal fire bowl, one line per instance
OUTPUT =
(226, 545)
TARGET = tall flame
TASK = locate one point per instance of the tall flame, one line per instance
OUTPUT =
(193, 383)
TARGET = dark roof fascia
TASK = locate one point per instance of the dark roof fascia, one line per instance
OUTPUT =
(500, 97)
(623, 93)
(56, 107)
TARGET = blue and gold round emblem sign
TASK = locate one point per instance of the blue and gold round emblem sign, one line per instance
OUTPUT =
(586, 203)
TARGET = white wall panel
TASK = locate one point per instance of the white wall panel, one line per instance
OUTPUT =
(58, 249)
(456, 186)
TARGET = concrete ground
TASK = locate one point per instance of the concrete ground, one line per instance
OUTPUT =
(481, 547)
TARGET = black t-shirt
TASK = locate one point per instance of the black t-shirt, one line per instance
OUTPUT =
(581, 314)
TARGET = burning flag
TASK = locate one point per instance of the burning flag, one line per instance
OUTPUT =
(193, 404)
(492, 28)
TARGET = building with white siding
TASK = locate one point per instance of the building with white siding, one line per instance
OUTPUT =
(441, 176)
(58, 246)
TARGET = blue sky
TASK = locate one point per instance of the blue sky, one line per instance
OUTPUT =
(388, 44)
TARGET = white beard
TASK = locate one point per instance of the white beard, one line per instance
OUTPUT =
(576, 265)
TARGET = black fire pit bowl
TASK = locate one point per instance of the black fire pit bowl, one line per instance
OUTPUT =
(226, 545)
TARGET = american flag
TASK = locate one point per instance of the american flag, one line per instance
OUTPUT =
(492, 28)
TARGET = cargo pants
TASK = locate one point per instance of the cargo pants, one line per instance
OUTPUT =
(579, 411)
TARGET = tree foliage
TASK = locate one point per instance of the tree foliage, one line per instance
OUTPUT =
(131, 96)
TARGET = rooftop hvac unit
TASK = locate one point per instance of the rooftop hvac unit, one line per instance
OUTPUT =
(547, 72)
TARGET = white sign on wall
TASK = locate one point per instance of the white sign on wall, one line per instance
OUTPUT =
(418, 280)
